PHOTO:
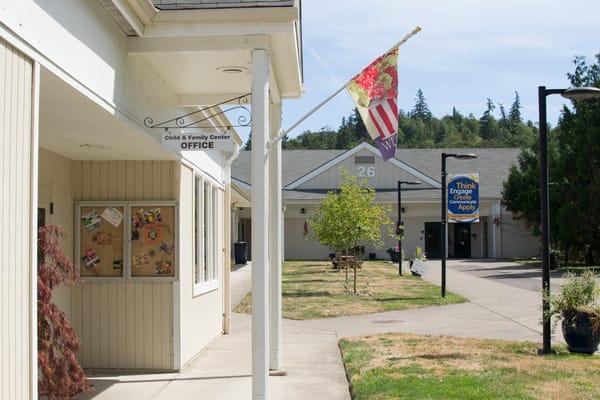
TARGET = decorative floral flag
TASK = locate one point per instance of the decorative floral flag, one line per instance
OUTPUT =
(375, 92)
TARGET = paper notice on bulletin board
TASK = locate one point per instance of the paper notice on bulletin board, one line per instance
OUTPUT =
(113, 216)
(101, 244)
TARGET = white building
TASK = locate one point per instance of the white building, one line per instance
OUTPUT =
(309, 174)
(79, 78)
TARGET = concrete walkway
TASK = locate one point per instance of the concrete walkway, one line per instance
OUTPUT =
(501, 307)
(312, 361)
(495, 311)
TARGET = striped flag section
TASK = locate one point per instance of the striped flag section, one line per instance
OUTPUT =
(375, 92)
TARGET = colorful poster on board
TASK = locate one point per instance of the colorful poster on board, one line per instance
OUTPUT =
(463, 197)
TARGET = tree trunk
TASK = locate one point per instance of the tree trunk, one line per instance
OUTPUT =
(345, 264)
(589, 255)
(354, 265)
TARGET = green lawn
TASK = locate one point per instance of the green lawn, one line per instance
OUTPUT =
(410, 367)
(313, 289)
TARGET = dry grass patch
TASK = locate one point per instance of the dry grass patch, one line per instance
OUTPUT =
(313, 289)
(404, 366)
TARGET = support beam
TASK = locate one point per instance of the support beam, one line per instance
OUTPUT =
(260, 228)
(275, 243)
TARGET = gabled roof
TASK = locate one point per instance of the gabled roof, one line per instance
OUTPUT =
(349, 153)
(295, 164)
(212, 4)
(493, 166)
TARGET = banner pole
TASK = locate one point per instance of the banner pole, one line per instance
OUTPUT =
(282, 132)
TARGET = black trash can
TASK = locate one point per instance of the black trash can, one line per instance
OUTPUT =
(240, 252)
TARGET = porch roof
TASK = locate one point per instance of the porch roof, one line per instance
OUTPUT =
(211, 4)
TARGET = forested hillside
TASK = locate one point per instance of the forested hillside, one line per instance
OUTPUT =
(418, 128)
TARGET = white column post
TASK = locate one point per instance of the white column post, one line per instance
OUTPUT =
(275, 233)
(260, 228)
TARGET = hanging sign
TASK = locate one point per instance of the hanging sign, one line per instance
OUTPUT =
(463, 197)
(197, 141)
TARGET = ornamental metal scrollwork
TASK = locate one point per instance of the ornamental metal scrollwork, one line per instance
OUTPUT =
(189, 120)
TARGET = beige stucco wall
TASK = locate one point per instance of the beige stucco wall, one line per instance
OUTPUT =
(17, 195)
(513, 239)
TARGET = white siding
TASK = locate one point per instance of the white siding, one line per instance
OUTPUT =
(17, 259)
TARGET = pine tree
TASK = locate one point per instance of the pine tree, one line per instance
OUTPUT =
(514, 114)
(248, 144)
(421, 110)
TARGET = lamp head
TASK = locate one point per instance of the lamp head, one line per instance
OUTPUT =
(410, 182)
(465, 156)
(581, 93)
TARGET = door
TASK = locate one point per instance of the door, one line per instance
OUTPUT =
(462, 240)
(433, 240)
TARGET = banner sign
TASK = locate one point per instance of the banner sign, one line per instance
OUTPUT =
(463, 197)
(197, 141)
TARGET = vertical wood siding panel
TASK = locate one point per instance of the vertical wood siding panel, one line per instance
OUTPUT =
(167, 329)
(15, 199)
(130, 181)
(125, 324)
(4, 365)
(113, 326)
(156, 180)
(148, 317)
(113, 186)
(139, 325)
(105, 322)
(131, 334)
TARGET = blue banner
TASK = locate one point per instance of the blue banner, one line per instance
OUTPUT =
(463, 198)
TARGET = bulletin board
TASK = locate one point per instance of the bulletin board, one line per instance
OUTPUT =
(153, 240)
(101, 240)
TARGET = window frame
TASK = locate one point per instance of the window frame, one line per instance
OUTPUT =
(206, 275)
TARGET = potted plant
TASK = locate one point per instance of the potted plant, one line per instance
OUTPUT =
(577, 304)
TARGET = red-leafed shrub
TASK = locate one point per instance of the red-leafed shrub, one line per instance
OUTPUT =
(60, 375)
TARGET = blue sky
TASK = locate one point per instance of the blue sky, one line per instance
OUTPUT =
(468, 50)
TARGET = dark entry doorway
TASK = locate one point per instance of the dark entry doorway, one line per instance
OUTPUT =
(433, 240)
(462, 240)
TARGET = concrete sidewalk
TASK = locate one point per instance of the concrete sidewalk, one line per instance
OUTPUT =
(223, 371)
(495, 311)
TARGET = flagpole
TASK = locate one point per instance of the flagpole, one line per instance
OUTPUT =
(282, 132)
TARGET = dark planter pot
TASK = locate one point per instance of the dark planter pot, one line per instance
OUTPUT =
(395, 257)
(579, 335)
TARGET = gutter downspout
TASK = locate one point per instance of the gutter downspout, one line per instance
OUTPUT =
(227, 239)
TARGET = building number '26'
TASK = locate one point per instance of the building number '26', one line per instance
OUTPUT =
(366, 172)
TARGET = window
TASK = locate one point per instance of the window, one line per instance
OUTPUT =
(206, 231)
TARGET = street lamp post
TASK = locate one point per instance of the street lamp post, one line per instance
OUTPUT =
(575, 94)
(444, 233)
(400, 225)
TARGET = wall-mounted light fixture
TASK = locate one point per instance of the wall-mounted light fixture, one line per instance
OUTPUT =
(303, 210)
